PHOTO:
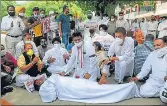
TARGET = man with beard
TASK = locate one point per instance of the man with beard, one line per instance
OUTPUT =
(13, 26)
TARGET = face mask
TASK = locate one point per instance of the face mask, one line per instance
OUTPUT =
(35, 15)
(89, 17)
(79, 44)
(27, 41)
(42, 15)
(43, 43)
(91, 31)
(120, 17)
(30, 52)
(67, 12)
(21, 14)
(57, 46)
(102, 33)
(11, 13)
(52, 18)
(119, 41)
(3, 52)
(112, 19)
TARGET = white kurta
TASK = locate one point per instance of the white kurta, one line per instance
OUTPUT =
(82, 90)
(163, 93)
(161, 30)
(154, 84)
(134, 25)
(59, 64)
(144, 27)
(122, 23)
(125, 65)
(90, 62)
(105, 41)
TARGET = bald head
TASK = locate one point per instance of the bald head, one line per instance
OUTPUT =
(159, 43)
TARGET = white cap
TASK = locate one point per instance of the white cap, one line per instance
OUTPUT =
(51, 12)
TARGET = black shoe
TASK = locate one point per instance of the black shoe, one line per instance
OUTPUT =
(7, 89)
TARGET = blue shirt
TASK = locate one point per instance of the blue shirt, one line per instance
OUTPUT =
(69, 46)
(65, 20)
(141, 53)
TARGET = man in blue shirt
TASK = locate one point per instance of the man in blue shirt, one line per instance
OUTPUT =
(64, 26)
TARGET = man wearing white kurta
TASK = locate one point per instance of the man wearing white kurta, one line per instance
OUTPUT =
(83, 58)
(27, 38)
(82, 90)
(152, 26)
(135, 24)
(89, 23)
(162, 28)
(121, 22)
(144, 26)
(123, 47)
(13, 26)
(56, 57)
(156, 64)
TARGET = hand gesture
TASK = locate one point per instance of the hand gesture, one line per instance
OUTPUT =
(51, 60)
(65, 56)
(40, 66)
(133, 79)
(12, 24)
(106, 61)
(35, 60)
(102, 81)
(87, 76)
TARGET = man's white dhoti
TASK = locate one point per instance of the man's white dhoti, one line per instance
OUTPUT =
(82, 90)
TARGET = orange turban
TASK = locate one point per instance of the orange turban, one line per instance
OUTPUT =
(18, 9)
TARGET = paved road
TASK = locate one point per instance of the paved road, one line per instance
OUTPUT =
(22, 97)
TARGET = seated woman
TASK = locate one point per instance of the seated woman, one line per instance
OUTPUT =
(82, 90)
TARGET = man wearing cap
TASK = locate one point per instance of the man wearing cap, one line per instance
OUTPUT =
(64, 26)
(13, 26)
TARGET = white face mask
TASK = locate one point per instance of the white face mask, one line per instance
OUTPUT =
(3, 52)
(21, 14)
(102, 33)
(118, 41)
(52, 18)
(79, 44)
(27, 41)
(121, 17)
(112, 19)
(57, 46)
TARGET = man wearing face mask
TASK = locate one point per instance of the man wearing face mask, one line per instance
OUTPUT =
(64, 26)
(27, 38)
(44, 47)
(105, 39)
(144, 26)
(112, 25)
(153, 26)
(156, 63)
(121, 22)
(89, 23)
(135, 24)
(37, 29)
(123, 47)
(13, 26)
(29, 66)
(53, 25)
(162, 28)
(105, 19)
(83, 58)
(56, 57)
(45, 21)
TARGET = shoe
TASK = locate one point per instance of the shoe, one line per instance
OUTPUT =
(116, 80)
(120, 82)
